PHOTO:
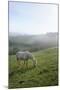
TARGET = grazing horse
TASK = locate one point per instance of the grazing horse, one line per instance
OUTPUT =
(25, 56)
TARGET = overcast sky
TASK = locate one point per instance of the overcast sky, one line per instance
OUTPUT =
(32, 18)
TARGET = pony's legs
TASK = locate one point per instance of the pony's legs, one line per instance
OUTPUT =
(24, 63)
(27, 63)
(18, 62)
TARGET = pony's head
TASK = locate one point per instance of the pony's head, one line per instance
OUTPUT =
(34, 61)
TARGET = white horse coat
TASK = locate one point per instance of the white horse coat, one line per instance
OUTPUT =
(25, 56)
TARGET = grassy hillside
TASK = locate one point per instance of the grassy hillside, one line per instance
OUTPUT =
(45, 74)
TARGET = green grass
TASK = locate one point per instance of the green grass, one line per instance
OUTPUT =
(45, 74)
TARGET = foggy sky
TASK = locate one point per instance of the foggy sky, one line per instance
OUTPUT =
(29, 18)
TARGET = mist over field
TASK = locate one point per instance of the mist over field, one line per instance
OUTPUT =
(44, 47)
(32, 42)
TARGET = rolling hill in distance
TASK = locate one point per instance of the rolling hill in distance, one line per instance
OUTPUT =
(32, 42)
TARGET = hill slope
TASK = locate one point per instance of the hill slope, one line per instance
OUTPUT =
(45, 74)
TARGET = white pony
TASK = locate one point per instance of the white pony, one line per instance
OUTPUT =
(25, 56)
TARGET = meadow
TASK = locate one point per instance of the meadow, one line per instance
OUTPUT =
(44, 74)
